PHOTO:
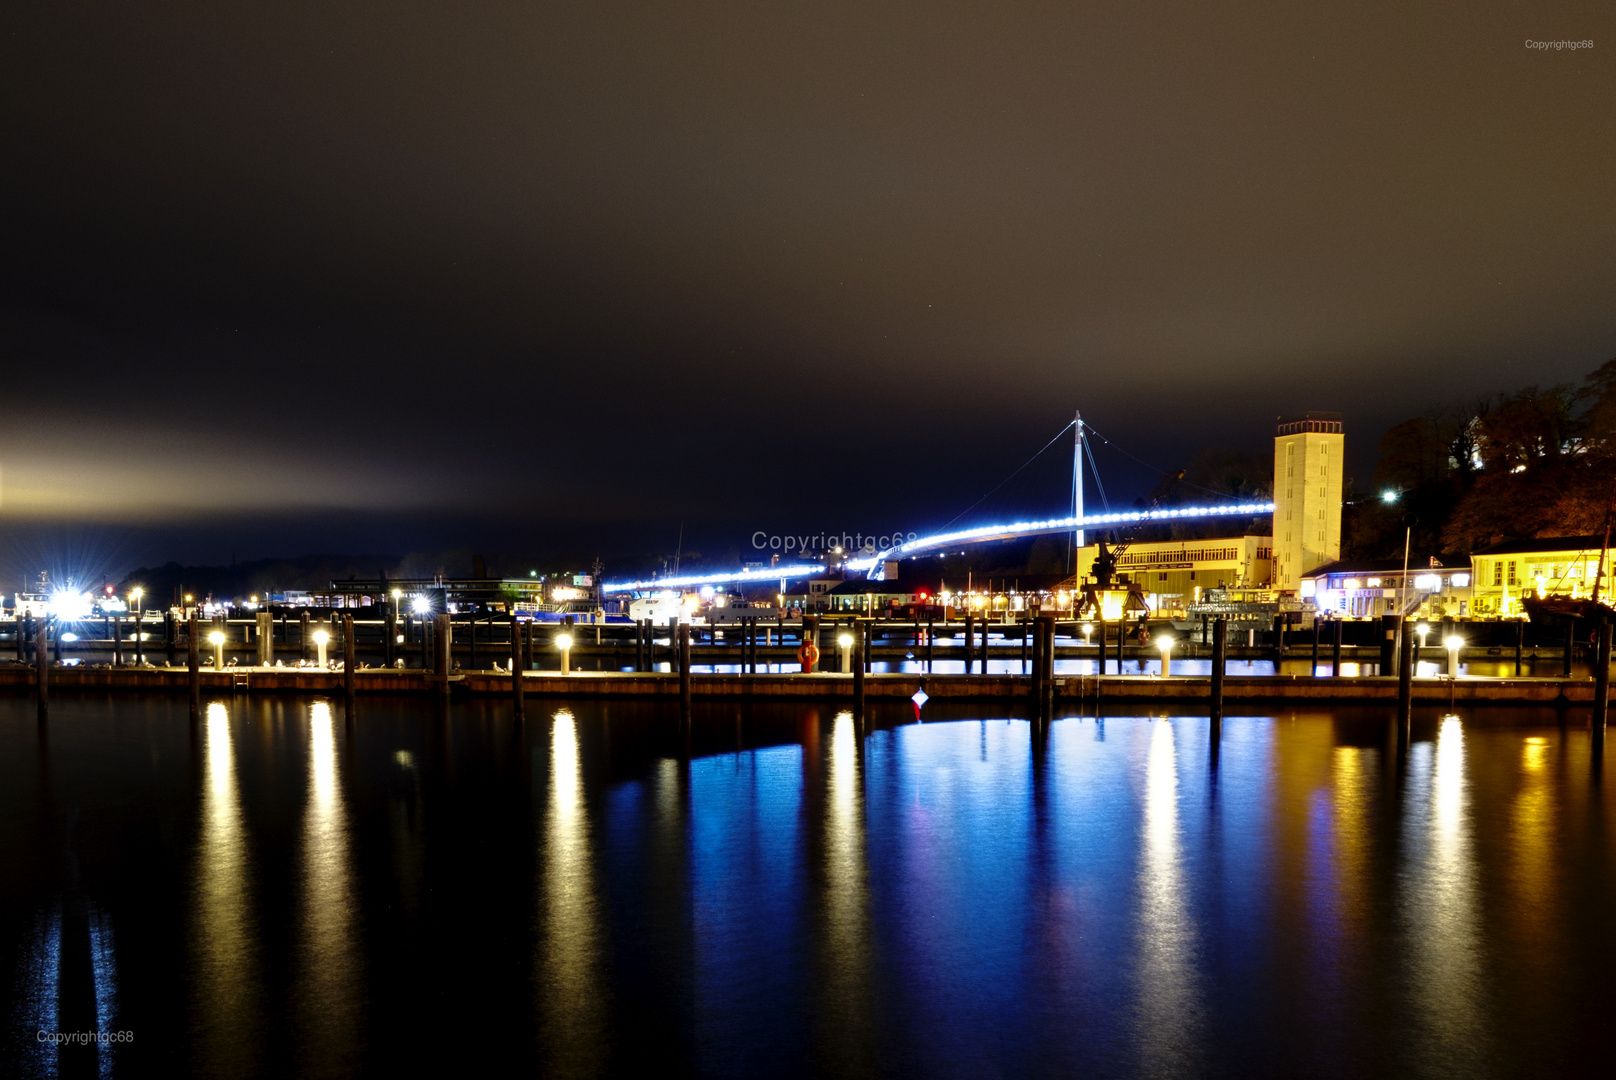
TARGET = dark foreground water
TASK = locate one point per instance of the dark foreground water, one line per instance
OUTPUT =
(273, 891)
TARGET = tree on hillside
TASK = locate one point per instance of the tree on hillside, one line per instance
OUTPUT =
(1547, 463)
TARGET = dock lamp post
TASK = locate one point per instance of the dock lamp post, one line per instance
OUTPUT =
(846, 643)
(135, 595)
(1454, 644)
(1088, 628)
(564, 643)
(1423, 629)
(320, 639)
(218, 650)
(1165, 644)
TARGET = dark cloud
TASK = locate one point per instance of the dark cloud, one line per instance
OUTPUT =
(631, 264)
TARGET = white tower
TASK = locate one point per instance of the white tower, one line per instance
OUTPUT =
(1307, 495)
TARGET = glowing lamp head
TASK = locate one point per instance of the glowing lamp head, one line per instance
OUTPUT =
(217, 638)
(1163, 642)
(69, 606)
(1388, 496)
(136, 594)
(845, 641)
(1422, 629)
(397, 593)
(1454, 644)
(421, 605)
(564, 641)
(321, 637)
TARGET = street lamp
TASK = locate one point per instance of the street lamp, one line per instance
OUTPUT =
(564, 643)
(218, 650)
(1422, 629)
(1088, 629)
(1165, 644)
(320, 638)
(846, 642)
(1454, 644)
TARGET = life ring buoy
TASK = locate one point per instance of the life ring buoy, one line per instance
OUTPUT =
(808, 655)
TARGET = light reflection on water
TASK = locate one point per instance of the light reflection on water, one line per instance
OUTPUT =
(566, 960)
(329, 976)
(1169, 1011)
(1444, 962)
(225, 971)
(793, 891)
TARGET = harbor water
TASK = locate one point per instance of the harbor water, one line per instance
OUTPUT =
(275, 888)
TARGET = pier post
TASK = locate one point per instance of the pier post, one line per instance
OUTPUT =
(426, 644)
(348, 665)
(1028, 643)
(266, 639)
(471, 642)
(516, 665)
(1602, 678)
(1313, 670)
(987, 617)
(25, 628)
(931, 643)
(117, 641)
(441, 644)
(42, 669)
(1520, 641)
(1037, 667)
(1051, 632)
(1405, 684)
(1220, 654)
(683, 634)
(1336, 626)
(193, 663)
(1388, 643)
(56, 638)
(1122, 632)
(970, 643)
(859, 631)
(389, 634)
(1569, 649)
(303, 635)
(168, 638)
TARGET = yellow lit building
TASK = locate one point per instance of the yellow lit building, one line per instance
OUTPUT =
(1561, 566)
(1173, 574)
(1308, 467)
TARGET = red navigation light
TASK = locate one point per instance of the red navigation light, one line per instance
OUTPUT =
(109, 590)
(923, 596)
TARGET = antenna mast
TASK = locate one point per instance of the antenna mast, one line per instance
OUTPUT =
(1077, 479)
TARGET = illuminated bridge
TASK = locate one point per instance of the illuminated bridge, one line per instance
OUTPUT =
(1075, 524)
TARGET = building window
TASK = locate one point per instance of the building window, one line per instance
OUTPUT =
(1498, 574)
(1512, 571)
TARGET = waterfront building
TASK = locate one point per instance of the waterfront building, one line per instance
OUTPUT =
(1308, 466)
(1561, 567)
(1172, 574)
(1370, 588)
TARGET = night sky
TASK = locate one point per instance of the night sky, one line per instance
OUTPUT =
(343, 276)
